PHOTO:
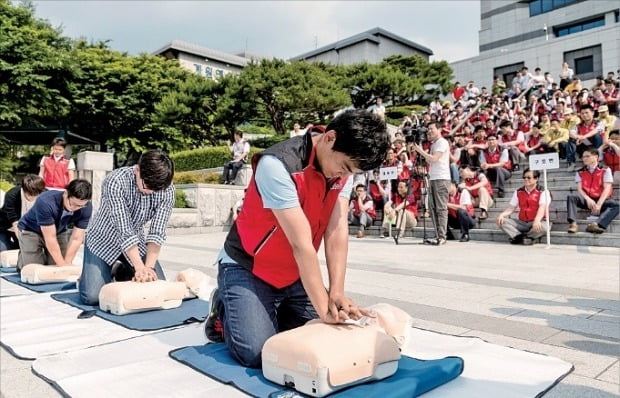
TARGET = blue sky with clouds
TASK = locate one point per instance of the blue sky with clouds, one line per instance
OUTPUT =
(278, 28)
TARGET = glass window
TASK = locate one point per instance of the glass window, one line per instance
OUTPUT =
(208, 71)
(535, 7)
(547, 5)
(579, 27)
(584, 65)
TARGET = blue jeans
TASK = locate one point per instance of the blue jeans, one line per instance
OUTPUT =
(252, 311)
(96, 273)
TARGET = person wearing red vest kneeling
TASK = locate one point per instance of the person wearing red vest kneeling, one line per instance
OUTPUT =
(594, 192)
(460, 211)
(269, 278)
(531, 200)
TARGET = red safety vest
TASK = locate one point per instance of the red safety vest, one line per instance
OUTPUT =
(412, 206)
(56, 172)
(473, 181)
(256, 240)
(611, 159)
(357, 211)
(456, 200)
(495, 156)
(583, 129)
(592, 183)
(528, 203)
(532, 141)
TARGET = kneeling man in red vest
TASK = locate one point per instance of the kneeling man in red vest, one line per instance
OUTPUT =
(532, 201)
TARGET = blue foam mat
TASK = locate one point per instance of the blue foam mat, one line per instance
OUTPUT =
(43, 288)
(413, 377)
(8, 270)
(193, 310)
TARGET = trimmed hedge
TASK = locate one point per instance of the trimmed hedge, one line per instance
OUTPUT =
(266, 142)
(204, 158)
(255, 129)
(197, 177)
(5, 185)
(394, 115)
(180, 200)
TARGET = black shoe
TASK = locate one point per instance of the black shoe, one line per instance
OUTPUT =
(213, 326)
(450, 236)
(395, 238)
(464, 238)
(515, 167)
(528, 241)
(517, 240)
(500, 194)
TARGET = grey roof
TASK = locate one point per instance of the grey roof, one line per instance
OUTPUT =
(370, 35)
(208, 53)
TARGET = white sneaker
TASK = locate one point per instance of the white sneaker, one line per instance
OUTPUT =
(571, 167)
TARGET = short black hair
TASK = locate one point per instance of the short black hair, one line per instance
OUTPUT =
(614, 132)
(156, 170)
(592, 150)
(505, 123)
(80, 189)
(360, 186)
(33, 185)
(362, 136)
(535, 173)
(586, 106)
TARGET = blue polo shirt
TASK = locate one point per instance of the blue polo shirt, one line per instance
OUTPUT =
(49, 210)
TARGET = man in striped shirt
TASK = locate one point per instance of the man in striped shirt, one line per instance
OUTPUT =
(130, 198)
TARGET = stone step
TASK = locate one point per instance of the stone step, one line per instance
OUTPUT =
(496, 235)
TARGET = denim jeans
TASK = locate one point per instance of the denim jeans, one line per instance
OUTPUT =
(96, 273)
(572, 149)
(252, 311)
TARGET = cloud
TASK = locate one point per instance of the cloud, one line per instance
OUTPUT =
(279, 28)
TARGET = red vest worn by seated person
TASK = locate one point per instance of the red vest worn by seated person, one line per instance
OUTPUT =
(356, 207)
(495, 156)
(583, 129)
(411, 206)
(56, 172)
(456, 200)
(611, 159)
(475, 180)
(528, 203)
(256, 240)
(592, 183)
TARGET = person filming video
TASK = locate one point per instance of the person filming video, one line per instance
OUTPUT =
(439, 160)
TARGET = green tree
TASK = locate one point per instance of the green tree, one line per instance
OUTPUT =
(35, 69)
(424, 73)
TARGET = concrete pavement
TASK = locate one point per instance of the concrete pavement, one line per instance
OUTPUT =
(563, 301)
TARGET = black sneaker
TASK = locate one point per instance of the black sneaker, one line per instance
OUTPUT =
(528, 241)
(464, 238)
(213, 326)
(517, 240)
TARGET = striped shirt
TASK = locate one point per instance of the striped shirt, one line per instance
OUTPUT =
(120, 221)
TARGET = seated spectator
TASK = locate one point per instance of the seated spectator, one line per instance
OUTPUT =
(240, 150)
(361, 210)
(401, 210)
(496, 164)
(379, 190)
(610, 154)
(296, 131)
(460, 212)
(612, 95)
(17, 201)
(56, 169)
(608, 120)
(594, 192)
(533, 202)
(555, 139)
(513, 141)
(533, 141)
(43, 232)
(589, 132)
(473, 148)
(479, 188)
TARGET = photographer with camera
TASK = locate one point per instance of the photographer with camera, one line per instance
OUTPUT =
(439, 176)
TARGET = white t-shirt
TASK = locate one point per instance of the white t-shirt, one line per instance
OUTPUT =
(440, 170)
(465, 199)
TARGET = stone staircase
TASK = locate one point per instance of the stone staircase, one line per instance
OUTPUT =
(560, 183)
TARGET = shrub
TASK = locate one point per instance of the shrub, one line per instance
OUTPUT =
(197, 177)
(204, 158)
(255, 129)
(266, 142)
(394, 115)
(180, 200)
(5, 185)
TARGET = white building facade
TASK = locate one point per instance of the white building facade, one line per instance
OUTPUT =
(544, 34)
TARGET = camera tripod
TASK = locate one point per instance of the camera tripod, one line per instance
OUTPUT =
(425, 192)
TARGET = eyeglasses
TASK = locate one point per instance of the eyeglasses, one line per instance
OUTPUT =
(74, 205)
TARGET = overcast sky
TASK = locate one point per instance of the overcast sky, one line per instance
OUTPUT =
(278, 28)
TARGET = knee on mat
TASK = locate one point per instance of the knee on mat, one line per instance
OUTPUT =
(89, 299)
(248, 357)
